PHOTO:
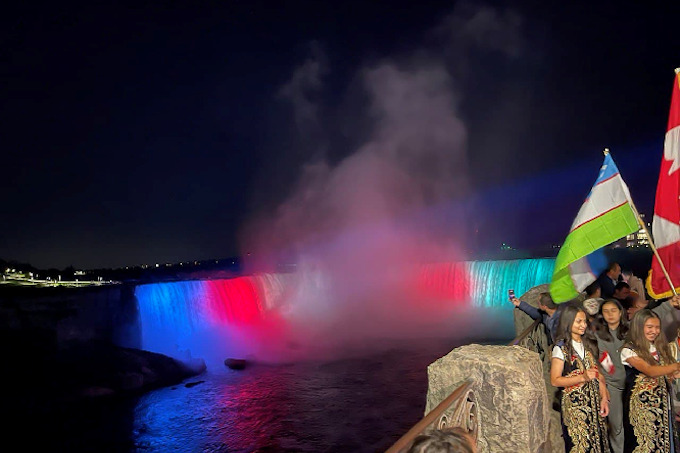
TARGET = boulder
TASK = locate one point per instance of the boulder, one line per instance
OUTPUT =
(235, 364)
(508, 384)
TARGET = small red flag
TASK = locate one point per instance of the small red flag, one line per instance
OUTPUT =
(607, 363)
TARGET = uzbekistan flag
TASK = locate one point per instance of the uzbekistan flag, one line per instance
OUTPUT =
(606, 216)
(666, 221)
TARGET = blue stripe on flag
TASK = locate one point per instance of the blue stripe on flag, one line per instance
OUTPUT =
(607, 171)
(597, 261)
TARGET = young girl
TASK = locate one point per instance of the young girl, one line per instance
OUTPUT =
(611, 330)
(648, 417)
(574, 369)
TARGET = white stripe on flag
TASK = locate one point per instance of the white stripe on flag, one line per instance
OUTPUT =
(664, 232)
(581, 274)
(671, 148)
(604, 197)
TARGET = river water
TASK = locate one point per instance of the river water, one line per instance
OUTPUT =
(362, 403)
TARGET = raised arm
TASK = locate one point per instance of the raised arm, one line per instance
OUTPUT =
(529, 310)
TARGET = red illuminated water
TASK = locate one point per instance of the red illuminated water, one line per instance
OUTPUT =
(284, 317)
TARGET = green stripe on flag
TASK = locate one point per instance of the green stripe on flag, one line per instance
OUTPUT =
(583, 241)
(562, 288)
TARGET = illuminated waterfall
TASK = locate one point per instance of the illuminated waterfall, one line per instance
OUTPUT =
(192, 315)
(493, 279)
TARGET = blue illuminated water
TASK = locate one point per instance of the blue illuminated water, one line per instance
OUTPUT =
(355, 404)
(494, 278)
(199, 318)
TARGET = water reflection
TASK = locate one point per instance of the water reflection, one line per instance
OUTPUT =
(359, 404)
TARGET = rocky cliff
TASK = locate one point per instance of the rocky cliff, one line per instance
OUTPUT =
(64, 344)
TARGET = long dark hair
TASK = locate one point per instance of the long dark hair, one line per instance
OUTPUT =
(636, 338)
(602, 328)
(563, 335)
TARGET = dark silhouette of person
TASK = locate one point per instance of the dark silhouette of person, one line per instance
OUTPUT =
(608, 280)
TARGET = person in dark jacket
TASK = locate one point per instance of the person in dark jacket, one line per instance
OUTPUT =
(547, 312)
(608, 280)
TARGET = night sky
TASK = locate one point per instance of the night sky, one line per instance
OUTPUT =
(153, 132)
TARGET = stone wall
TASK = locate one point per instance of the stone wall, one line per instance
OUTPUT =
(510, 391)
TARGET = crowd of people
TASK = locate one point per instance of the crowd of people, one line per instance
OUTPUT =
(615, 360)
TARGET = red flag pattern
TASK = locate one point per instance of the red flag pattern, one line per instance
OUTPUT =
(666, 222)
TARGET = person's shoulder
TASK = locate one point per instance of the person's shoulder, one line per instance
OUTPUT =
(628, 346)
(604, 278)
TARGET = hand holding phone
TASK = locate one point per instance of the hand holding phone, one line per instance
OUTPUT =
(513, 299)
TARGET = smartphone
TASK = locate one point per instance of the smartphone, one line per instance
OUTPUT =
(511, 294)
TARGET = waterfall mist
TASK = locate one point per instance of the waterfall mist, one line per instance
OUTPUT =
(359, 225)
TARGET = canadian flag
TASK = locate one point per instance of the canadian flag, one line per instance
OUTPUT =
(606, 362)
(666, 221)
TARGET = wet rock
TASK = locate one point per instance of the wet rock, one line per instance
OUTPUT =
(235, 364)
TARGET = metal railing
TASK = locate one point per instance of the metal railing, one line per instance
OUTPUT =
(458, 410)
(525, 333)
(535, 338)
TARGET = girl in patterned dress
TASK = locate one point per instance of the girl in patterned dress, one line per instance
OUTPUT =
(584, 397)
(648, 411)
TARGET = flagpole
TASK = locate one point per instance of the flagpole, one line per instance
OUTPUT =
(651, 242)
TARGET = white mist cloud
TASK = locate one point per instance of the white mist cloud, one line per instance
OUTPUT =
(303, 88)
(471, 27)
(358, 228)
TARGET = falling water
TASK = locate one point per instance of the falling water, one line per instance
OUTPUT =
(244, 314)
(493, 279)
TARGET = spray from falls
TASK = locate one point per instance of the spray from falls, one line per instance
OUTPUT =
(266, 317)
(374, 200)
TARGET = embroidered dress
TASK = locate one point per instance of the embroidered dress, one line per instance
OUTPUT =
(649, 423)
(584, 429)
